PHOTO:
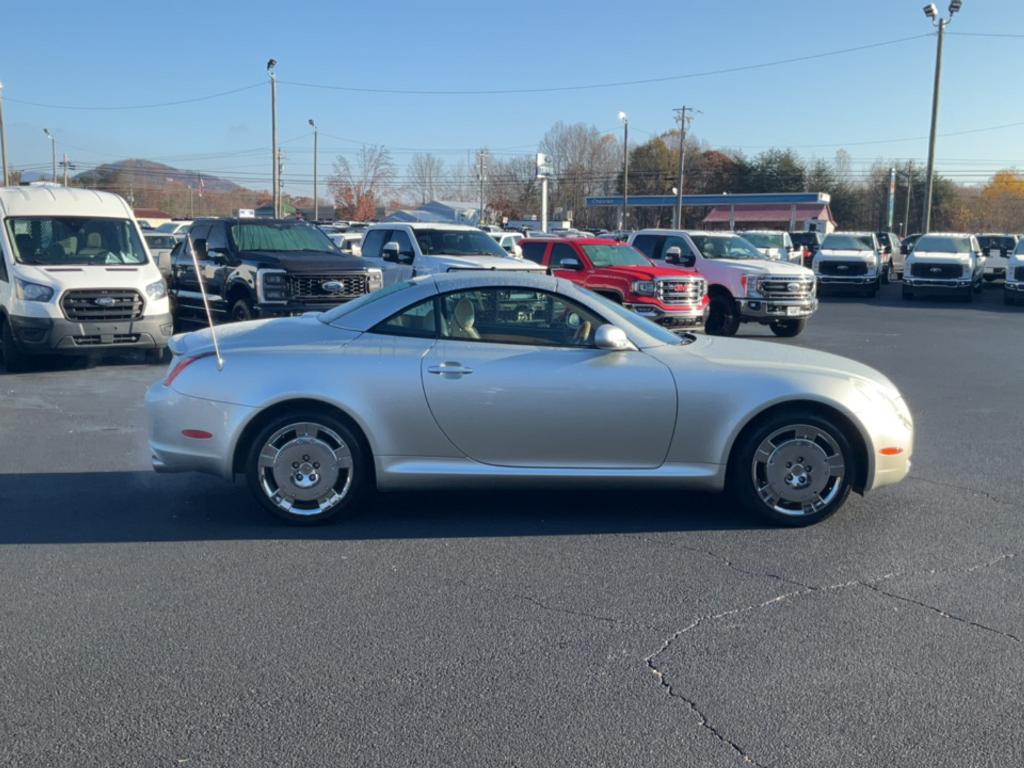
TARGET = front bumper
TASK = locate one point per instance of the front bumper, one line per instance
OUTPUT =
(858, 281)
(170, 412)
(678, 315)
(1014, 288)
(958, 285)
(48, 335)
(776, 309)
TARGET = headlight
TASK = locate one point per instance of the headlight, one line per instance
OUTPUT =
(375, 279)
(156, 290)
(645, 287)
(33, 291)
(968, 270)
(272, 286)
(751, 287)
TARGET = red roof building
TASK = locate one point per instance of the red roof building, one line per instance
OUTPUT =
(793, 218)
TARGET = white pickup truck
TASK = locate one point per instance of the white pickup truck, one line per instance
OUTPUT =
(853, 260)
(744, 285)
(405, 250)
(945, 263)
(1013, 288)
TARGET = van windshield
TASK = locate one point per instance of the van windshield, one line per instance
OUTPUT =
(74, 241)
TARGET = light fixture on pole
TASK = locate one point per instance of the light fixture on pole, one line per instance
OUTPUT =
(276, 181)
(3, 140)
(53, 152)
(625, 167)
(932, 12)
(316, 191)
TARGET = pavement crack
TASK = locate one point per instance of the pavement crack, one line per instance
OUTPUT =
(965, 489)
(739, 569)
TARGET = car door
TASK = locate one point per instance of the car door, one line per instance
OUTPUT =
(407, 265)
(516, 381)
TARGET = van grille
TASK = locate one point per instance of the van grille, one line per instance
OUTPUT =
(117, 338)
(102, 304)
(309, 289)
(936, 271)
(687, 290)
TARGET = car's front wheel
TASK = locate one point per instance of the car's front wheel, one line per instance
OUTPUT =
(241, 311)
(308, 467)
(787, 328)
(795, 468)
(723, 317)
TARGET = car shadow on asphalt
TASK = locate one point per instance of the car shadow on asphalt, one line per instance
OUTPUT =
(990, 299)
(111, 507)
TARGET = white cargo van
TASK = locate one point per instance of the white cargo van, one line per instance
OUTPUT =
(76, 276)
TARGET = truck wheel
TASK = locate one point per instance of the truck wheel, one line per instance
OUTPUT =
(887, 274)
(241, 311)
(723, 318)
(908, 294)
(794, 468)
(788, 328)
(15, 361)
(968, 295)
(307, 467)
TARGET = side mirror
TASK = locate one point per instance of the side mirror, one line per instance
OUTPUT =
(390, 252)
(674, 255)
(570, 264)
(612, 338)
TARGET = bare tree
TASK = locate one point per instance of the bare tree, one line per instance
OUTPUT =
(359, 187)
(585, 161)
(426, 173)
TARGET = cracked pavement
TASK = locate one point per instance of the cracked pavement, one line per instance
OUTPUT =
(162, 620)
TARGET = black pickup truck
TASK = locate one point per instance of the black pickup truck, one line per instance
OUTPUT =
(254, 268)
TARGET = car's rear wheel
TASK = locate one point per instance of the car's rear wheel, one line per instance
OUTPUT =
(787, 328)
(723, 317)
(307, 467)
(794, 468)
(15, 361)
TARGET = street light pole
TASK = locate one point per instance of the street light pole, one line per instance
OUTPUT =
(625, 168)
(932, 13)
(3, 139)
(53, 153)
(316, 191)
(276, 181)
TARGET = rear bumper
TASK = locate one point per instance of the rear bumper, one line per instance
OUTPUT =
(48, 335)
(776, 309)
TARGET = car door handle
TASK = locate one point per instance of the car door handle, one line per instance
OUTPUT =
(450, 369)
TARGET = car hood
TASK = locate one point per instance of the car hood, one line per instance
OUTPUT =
(111, 276)
(307, 262)
(643, 273)
(750, 355)
(767, 268)
(484, 262)
(828, 253)
(302, 331)
(939, 258)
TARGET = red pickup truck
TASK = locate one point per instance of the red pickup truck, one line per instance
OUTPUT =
(670, 297)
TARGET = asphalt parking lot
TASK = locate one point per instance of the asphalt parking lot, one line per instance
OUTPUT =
(165, 620)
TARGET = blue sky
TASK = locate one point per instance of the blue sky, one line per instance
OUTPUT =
(118, 53)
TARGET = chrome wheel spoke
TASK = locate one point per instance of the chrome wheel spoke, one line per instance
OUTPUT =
(305, 468)
(798, 470)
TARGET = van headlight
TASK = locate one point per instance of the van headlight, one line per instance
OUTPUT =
(156, 290)
(33, 291)
(374, 279)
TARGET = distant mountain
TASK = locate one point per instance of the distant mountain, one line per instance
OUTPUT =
(153, 174)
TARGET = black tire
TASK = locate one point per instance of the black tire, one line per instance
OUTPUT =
(887, 274)
(967, 297)
(15, 361)
(327, 430)
(241, 311)
(908, 294)
(787, 329)
(723, 317)
(747, 472)
(156, 356)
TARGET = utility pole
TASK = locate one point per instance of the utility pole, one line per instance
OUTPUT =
(683, 116)
(279, 214)
(276, 193)
(53, 154)
(67, 165)
(543, 172)
(3, 139)
(932, 13)
(892, 197)
(625, 168)
(910, 190)
(481, 176)
(316, 196)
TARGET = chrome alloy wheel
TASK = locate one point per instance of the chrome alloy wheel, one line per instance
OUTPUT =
(305, 469)
(798, 470)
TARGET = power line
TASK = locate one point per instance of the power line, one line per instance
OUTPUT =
(614, 84)
(140, 106)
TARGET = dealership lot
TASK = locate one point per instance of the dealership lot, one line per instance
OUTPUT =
(166, 620)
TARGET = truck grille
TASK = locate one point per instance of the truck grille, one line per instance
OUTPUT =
(1018, 274)
(102, 304)
(843, 268)
(686, 290)
(936, 271)
(309, 289)
(782, 288)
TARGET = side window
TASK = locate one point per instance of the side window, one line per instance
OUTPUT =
(562, 251)
(419, 320)
(535, 252)
(404, 243)
(648, 244)
(373, 241)
(217, 237)
(517, 316)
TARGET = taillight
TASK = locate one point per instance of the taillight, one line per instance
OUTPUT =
(177, 370)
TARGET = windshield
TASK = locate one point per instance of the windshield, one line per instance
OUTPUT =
(763, 239)
(615, 256)
(726, 247)
(806, 238)
(74, 241)
(457, 242)
(280, 236)
(943, 244)
(992, 242)
(848, 243)
(653, 330)
(160, 241)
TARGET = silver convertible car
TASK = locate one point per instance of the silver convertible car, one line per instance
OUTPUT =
(501, 379)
